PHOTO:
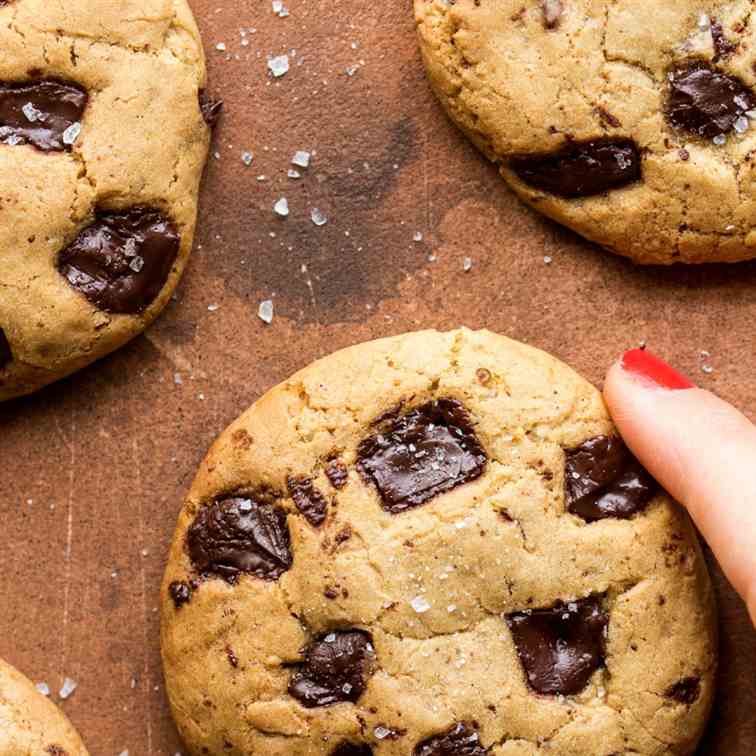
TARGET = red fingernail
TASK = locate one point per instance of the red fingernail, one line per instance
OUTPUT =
(643, 364)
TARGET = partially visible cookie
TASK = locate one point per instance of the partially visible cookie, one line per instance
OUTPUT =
(635, 129)
(434, 545)
(30, 725)
(104, 131)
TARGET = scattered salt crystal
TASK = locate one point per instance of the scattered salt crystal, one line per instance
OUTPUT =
(547, 260)
(265, 311)
(301, 159)
(381, 733)
(418, 237)
(330, 638)
(280, 9)
(71, 134)
(279, 65)
(451, 608)
(704, 22)
(292, 174)
(32, 114)
(420, 605)
(68, 687)
(221, 47)
(741, 125)
(281, 208)
(708, 369)
(212, 307)
(247, 158)
(719, 139)
(467, 264)
(318, 217)
(43, 688)
(751, 114)
(130, 248)
(177, 379)
(124, 753)
(136, 264)
(351, 70)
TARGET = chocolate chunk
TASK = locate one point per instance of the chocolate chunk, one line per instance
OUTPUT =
(180, 592)
(310, 502)
(353, 749)
(40, 113)
(210, 108)
(552, 13)
(603, 479)
(686, 691)
(121, 262)
(706, 102)
(240, 535)
(336, 471)
(461, 740)
(336, 668)
(428, 451)
(723, 48)
(560, 647)
(6, 355)
(582, 169)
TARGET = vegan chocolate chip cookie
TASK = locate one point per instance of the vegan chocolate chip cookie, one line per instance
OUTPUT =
(103, 137)
(436, 545)
(635, 129)
(30, 725)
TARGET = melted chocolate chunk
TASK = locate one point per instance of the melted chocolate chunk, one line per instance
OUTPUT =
(336, 472)
(336, 668)
(706, 102)
(310, 502)
(40, 113)
(121, 262)
(180, 592)
(428, 451)
(461, 740)
(723, 48)
(6, 355)
(239, 535)
(686, 691)
(603, 479)
(353, 749)
(561, 647)
(582, 169)
(210, 108)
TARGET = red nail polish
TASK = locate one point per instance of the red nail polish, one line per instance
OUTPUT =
(641, 363)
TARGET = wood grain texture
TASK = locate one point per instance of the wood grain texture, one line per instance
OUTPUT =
(94, 469)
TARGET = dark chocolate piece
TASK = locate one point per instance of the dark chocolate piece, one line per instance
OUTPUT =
(461, 740)
(41, 113)
(353, 749)
(6, 355)
(180, 592)
(310, 502)
(560, 647)
(336, 472)
(603, 479)
(706, 102)
(685, 691)
(336, 668)
(582, 169)
(210, 108)
(240, 535)
(121, 262)
(428, 451)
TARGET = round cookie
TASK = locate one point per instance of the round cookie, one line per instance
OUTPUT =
(30, 724)
(434, 544)
(104, 131)
(634, 129)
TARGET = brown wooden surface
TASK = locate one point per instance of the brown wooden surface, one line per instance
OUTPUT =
(94, 469)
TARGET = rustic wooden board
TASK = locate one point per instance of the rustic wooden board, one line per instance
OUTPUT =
(94, 469)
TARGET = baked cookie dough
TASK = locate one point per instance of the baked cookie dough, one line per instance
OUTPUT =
(102, 145)
(30, 724)
(632, 125)
(435, 545)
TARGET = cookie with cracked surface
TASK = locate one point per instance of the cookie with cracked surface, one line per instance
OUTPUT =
(494, 568)
(30, 724)
(99, 175)
(639, 136)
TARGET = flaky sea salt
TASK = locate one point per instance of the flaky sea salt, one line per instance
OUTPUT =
(741, 125)
(279, 65)
(292, 174)
(265, 311)
(418, 237)
(136, 264)
(301, 159)
(281, 208)
(31, 113)
(467, 264)
(43, 688)
(68, 687)
(71, 134)
(247, 158)
(280, 9)
(381, 732)
(420, 604)
(318, 217)
(719, 139)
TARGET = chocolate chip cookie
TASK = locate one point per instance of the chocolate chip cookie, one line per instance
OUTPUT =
(104, 130)
(30, 725)
(638, 132)
(434, 544)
